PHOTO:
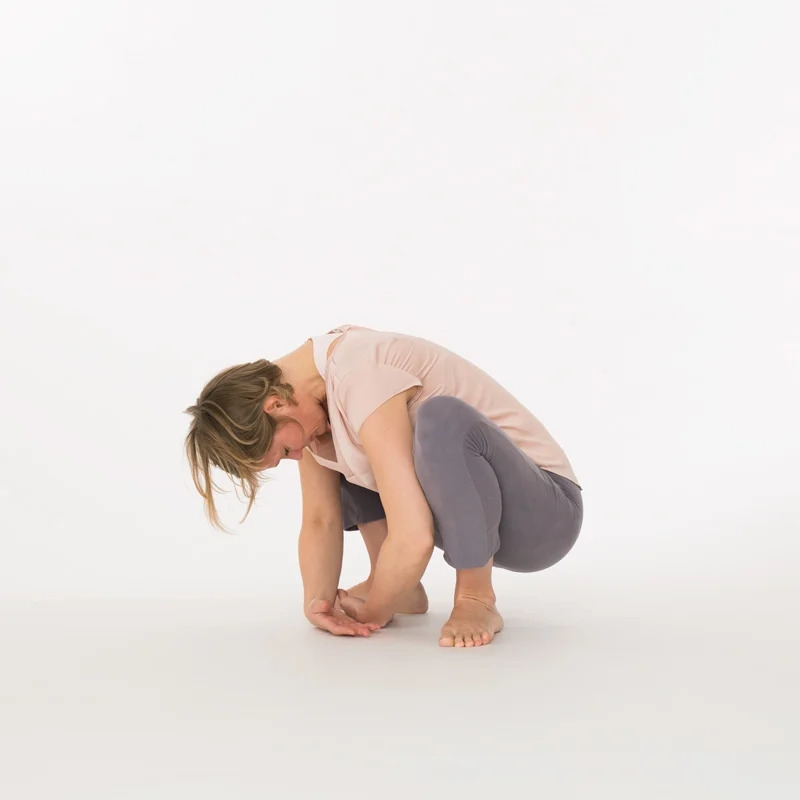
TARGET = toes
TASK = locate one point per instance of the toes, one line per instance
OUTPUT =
(450, 637)
(447, 638)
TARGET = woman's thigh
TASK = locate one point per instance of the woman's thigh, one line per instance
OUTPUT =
(487, 496)
(542, 517)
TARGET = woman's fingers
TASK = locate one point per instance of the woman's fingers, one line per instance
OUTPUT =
(337, 621)
(357, 627)
(347, 631)
(343, 625)
(372, 626)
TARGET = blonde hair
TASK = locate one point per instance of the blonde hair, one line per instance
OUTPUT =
(230, 429)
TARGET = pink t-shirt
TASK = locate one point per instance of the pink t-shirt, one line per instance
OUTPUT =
(369, 366)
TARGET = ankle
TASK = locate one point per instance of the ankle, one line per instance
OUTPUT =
(488, 599)
(475, 583)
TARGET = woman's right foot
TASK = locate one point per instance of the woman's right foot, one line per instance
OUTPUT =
(474, 622)
(414, 602)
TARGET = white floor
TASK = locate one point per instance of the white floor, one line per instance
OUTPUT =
(591, 690)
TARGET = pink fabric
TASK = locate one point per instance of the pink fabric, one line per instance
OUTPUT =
(369, 366)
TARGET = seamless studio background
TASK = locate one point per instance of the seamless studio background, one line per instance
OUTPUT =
(595, 203)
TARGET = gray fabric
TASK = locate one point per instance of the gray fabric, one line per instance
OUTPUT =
(487, 497)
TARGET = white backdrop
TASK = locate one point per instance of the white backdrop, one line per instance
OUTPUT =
(595, 203)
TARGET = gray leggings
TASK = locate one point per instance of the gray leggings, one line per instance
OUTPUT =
(487, 497)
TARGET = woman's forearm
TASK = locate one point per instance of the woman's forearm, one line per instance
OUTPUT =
(400, 565)
(320, 551)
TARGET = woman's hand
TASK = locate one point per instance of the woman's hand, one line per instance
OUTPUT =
(323, 615)
(354, 607)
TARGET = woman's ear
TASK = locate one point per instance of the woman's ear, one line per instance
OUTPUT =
(271, 404)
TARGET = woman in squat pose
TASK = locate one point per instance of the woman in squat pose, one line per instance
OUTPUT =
(408, 442)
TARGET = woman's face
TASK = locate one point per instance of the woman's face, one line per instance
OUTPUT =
(288, 442)
(296, 428)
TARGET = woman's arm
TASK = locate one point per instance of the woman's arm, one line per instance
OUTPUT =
(400, 565)
(386, 436)
(320, 548)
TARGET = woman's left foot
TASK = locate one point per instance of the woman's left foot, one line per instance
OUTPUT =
(472, 623)
(413, 602)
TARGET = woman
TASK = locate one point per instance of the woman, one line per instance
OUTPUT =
(413, 445)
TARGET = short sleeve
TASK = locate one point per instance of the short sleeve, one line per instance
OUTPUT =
(360, 391)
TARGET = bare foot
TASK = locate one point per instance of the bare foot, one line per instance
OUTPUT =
(415, 602)
(472, 623)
